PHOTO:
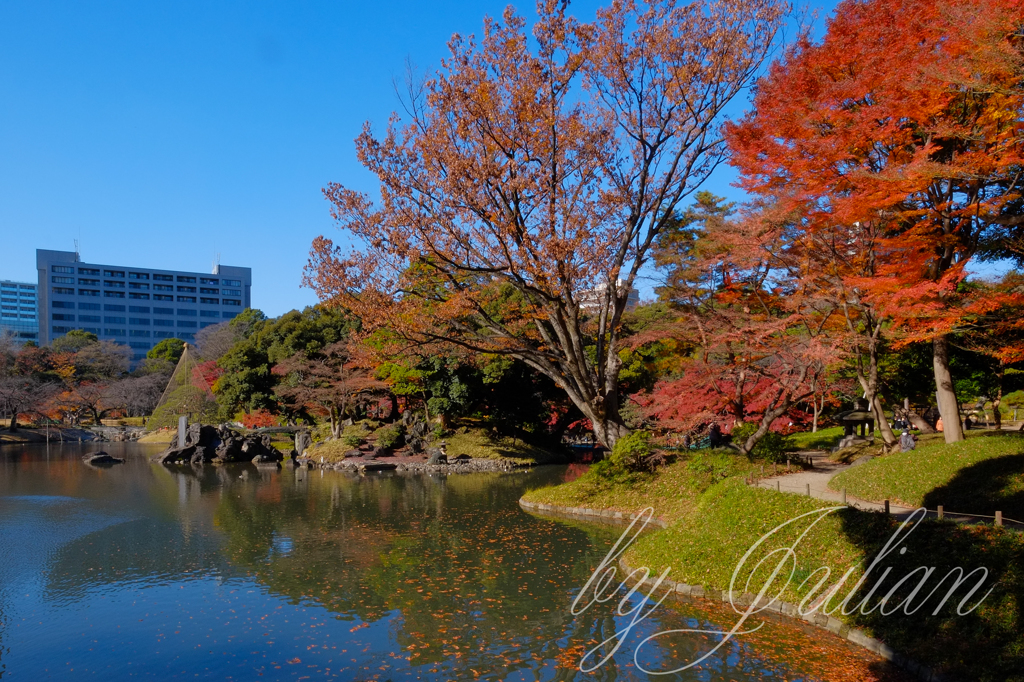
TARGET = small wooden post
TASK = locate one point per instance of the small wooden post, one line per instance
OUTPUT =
(807, 488)
(844, 495)
(887, 506)
(762, 471)
(778, 487)
(775, 469)
(787, 465)
(999, 518)
(940, 511)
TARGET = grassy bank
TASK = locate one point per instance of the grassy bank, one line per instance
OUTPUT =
(714, 518)
(980, 475)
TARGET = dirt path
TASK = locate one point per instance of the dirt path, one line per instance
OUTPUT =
(817, 478)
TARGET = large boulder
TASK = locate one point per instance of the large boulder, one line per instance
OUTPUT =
(101, 458)
(176, 455)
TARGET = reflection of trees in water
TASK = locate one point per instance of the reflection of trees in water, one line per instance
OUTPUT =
(477, 583)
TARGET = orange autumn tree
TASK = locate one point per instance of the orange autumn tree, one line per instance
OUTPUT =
(907, 118)
(533, 173)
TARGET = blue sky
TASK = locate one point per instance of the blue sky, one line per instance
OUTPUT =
(161, 134)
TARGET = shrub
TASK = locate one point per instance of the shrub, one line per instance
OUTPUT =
(631, 454)
(351, 440)
(389, 436)
(258, 419)
(771, 447)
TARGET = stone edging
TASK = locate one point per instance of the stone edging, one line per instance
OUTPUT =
(584, 512)
(683, 592)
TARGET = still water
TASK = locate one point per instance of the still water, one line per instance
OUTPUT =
(141, 571)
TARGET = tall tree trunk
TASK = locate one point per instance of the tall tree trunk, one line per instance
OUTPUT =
(817, 411)
(14, 422)
(945, 394)
(888, 437)
(997, 418)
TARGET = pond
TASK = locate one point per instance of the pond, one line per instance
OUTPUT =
(148, 572)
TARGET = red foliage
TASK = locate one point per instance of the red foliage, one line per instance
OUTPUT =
(258, 419)
(207, 372)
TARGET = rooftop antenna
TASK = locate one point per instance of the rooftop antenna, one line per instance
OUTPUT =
(216, 264)
(78, 255)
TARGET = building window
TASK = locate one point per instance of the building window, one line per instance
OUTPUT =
(66, 269)
(87, 306)
(204, 325)
(163, 287)
(114, 285)
(208, 280)
(228, 301)
(232, 282)
(229, 316)
(88, 271)
(185, 336)
(232, 292)
(186, 299)
(140, 321)
(94, 330)
(114, 273)
(139, 285)
(186, 311)
(114, 294)
(209, 313)
(113, 307)
(186, 279)
(114, 320)
(89, 292)
(163, 278)
(163, 311)
(27, 317)
(88, 318)
(187, 324)
(60, 304)
(206, 290)
(89, 282)
(163, 335)
(163, 323)
(187, 290)
(62, 280)
(138, 309)
(144, 333)
(61, 330)
(210, 301)
(137, 345)
(64, 317)
(138, 275)
(63, 290)
(162, 297)
(140, 297)
(115, 332)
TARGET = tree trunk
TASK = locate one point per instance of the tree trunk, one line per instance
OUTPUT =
(817, 412)
(945, 395)
(888, 437)
(997, 419)
(14, 422)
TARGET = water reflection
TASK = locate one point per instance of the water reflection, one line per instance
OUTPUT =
(233, 572)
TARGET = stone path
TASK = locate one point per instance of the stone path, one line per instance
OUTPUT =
(818, 477)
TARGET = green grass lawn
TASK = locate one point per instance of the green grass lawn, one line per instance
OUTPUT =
(980, 475)
(824, 439)
(714, 518)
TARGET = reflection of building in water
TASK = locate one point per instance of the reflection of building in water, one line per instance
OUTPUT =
(591, 299)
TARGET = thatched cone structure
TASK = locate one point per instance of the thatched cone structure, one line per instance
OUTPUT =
(186, 393)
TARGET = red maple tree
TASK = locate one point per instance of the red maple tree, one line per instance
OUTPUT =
(906, 119)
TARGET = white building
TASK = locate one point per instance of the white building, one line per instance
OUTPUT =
(590, 300)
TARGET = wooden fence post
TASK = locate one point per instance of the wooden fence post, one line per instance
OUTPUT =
(999, 518)
(844, 495)
(808, 489)
(887, 506)
(778, 487)
(940, 511)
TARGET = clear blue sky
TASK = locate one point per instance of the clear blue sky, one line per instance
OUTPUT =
(162, 133)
